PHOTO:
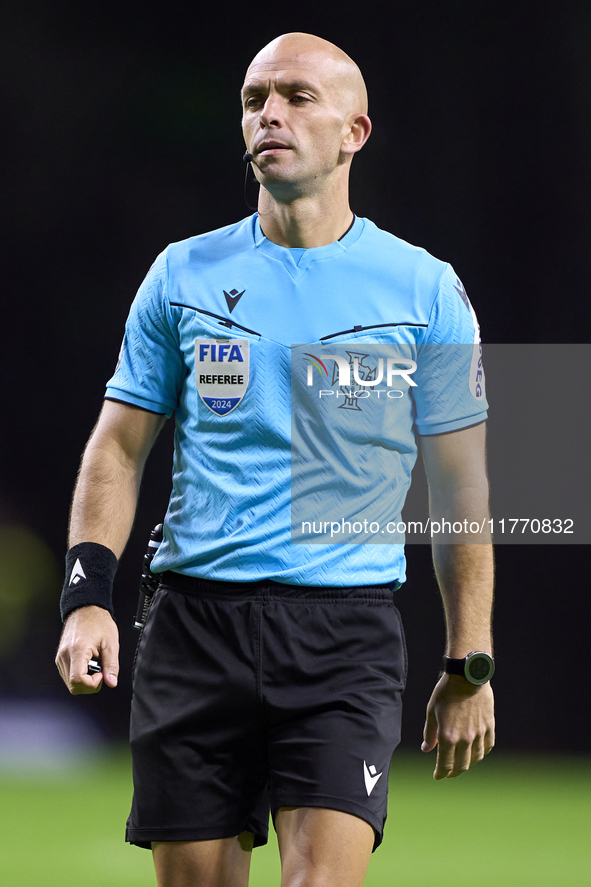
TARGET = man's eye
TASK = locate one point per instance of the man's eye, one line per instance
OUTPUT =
(251, 102)
(299, 99)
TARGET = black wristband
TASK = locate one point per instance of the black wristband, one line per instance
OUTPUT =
(90, 570)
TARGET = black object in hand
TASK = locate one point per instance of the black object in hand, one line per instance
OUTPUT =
(95, 666)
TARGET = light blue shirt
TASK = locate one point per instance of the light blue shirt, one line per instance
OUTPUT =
(229, 516)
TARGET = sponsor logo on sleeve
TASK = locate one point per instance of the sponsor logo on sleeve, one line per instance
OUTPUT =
(477, 383)
(222, 372)
(477, 387)
(460, 290)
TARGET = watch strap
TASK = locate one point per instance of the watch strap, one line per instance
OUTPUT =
(454, 666)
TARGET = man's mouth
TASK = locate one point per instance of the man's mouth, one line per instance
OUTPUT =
(271, 147)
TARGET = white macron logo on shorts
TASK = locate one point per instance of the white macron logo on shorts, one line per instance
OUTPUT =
(371, 777)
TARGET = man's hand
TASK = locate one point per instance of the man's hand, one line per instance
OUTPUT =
(460, 722)
(89, 632)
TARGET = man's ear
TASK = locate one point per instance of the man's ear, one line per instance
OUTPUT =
(357, 135)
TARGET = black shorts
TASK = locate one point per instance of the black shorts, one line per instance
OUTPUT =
(250, 697)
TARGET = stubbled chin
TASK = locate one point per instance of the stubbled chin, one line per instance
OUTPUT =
(274, 167)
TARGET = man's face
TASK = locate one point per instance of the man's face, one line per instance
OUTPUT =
(294, 117)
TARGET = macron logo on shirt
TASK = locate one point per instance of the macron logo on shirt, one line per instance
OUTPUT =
(77, 573)
(232, 298)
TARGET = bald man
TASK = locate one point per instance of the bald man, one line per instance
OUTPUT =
(269, 674)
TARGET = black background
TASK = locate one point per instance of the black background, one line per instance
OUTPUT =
(122, 134)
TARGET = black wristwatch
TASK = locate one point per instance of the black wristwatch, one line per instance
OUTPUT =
(477, 667)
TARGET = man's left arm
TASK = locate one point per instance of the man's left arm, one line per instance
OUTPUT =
(460, 715)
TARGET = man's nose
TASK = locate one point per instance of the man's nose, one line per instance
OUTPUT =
(271, 114)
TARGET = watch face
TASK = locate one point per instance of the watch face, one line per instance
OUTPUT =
(479, 668)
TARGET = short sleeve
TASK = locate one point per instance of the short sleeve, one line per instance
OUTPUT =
(150, 369)
(450, 392)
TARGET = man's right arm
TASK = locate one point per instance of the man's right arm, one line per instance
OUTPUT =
(103, 510)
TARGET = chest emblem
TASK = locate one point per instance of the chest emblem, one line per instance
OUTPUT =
(232, 298)
(222, 372)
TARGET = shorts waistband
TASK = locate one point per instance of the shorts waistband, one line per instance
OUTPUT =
(269, 588)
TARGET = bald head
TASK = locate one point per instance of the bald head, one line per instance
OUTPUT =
(309, 53)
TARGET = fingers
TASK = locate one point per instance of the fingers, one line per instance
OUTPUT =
(489, 740)
(453, 759)
(110, 660)
(73, 667)
(477, 751)
(89, 632)
(83, 684)
(429, 732)
(456, 757)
